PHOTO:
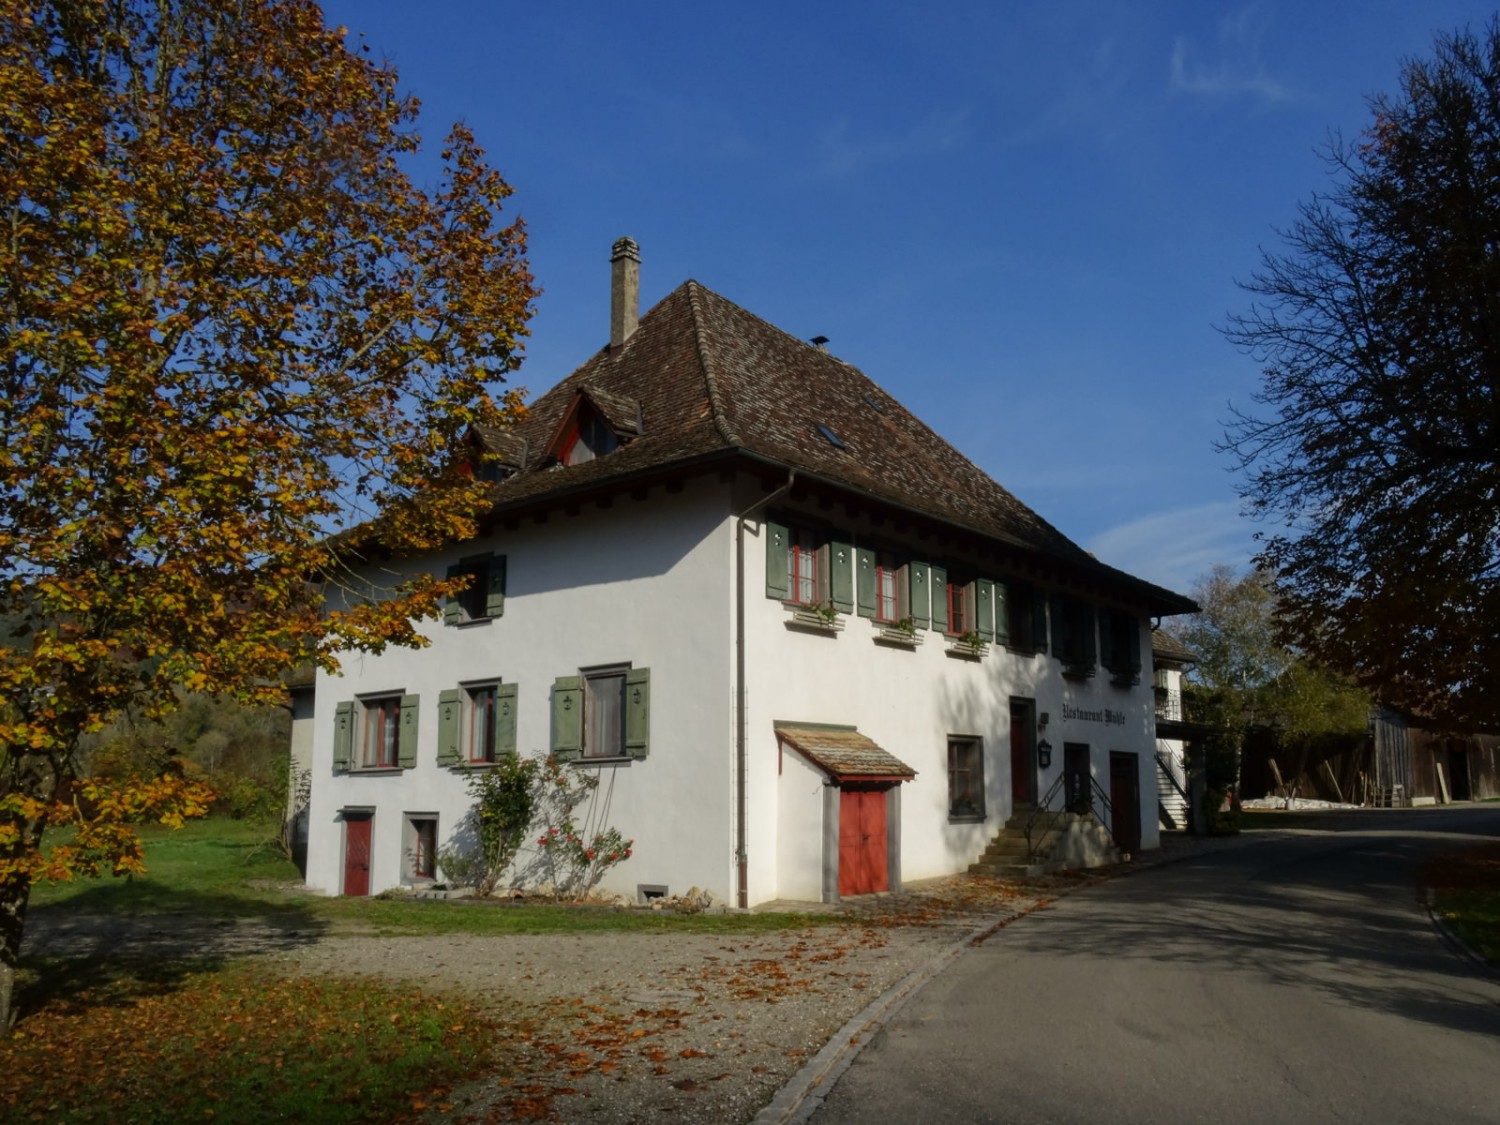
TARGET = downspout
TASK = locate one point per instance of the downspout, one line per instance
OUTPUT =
(741, 725)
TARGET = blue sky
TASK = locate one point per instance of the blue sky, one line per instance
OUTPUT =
(1023, 220)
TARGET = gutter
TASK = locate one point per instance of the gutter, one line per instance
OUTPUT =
(741, 724)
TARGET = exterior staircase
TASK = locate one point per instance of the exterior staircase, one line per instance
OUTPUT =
(1071, 842)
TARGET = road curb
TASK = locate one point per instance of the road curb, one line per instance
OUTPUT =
(1462, 949)
(804, 1092)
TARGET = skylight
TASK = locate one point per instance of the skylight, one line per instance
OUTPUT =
(875, 402)
(833, 438)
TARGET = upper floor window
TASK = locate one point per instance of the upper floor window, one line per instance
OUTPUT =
(476, 723)
(1073, 637)
(602, 713)
(484, 596)
(960, 612)
(593, 439)
(376, 732)
(804, 565)
(890, 588)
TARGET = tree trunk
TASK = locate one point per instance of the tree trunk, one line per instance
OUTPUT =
(37, 776)
(14, 895)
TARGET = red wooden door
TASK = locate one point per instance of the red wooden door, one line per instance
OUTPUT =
(1125, 802)
(1020, 762)
(357, 854)
(862, 863)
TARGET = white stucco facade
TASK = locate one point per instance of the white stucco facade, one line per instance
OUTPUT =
(650, 581)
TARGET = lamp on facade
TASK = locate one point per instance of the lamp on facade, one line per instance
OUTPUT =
(1044, 754)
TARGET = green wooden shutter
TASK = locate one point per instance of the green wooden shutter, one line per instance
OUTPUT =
(984, 608)
(919, 588)
(452, 615)
(1089, 649)
(1062, 629)
(1002, 614)
(864, 581)
(494, 602)
(505, 720)
(637, 712)
(1038, 621)
(1131, 631)
(450, 712)
(940, 599)
(778, 581)
(567, 717)
(1111, 653)
(406, 738)
(841, 576)
(343, 734)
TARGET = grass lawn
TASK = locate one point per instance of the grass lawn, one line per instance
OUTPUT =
(1466, 885)
(226, 868)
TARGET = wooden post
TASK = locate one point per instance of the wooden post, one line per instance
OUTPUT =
(1443, 785)
(1333, 781)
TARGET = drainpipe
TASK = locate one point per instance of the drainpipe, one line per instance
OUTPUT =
(741, 725)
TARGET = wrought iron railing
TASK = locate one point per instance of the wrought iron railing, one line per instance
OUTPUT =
(1044, 817)
(1166, 772)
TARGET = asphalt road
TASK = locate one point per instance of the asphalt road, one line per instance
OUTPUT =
(1289, 980)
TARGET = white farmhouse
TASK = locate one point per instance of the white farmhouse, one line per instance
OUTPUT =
(808, 647)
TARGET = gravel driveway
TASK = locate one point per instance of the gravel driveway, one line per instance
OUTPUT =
(624, 1027)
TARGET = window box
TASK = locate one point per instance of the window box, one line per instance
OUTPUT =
(901, 635)
(968, 646)
(1075, 671)
(818, 619)
(1125, 679)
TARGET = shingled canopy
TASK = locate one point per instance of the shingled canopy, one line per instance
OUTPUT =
(844, 754)
(712, 383)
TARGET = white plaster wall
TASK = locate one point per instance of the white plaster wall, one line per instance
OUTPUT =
(910, 702)
(641, 582)
(799, 844)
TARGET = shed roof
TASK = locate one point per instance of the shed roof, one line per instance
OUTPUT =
(843, 753)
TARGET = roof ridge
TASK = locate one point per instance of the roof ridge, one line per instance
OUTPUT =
(715, 405)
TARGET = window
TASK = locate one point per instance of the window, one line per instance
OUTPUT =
(419, 843)
(889, 589)
(1073, 636)
(594, 438)
(804, 559)
(806, 566)
(382, 733)
(958, 608)
(484, 596)
(479, 724)
(376, 732)
(965, 779)
(476, 723)
(1120, 646)
(602, 713)
(1025, 611)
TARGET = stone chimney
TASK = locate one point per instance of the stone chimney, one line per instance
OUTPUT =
(624, 290)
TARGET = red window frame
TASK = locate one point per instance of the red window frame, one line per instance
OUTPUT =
(958, 623)
(802, 570)
(382, 741)
(887, 605)
(480, 743)
(424, 848)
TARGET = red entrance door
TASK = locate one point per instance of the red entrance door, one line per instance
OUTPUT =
(1125, 802)
(862, 862)
(1021, 771)
(357, 854)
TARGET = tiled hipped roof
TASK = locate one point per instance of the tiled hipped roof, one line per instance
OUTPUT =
(712, 378)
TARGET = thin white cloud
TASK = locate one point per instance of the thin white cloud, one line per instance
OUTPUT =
(1175, 548)
(841, 154)
(1232, 67)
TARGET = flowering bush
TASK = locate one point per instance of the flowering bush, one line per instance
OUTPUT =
(585, 861)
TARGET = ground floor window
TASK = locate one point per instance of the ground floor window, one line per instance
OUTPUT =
(419, 848)
(965, 778)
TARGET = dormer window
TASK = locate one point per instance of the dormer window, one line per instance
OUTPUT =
(593, 439)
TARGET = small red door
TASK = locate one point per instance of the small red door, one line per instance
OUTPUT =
(862, 861)
(357, 853)
(1125, 802)
(1020, 758)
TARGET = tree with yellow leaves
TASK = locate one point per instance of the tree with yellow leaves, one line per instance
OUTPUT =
(237, 345)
